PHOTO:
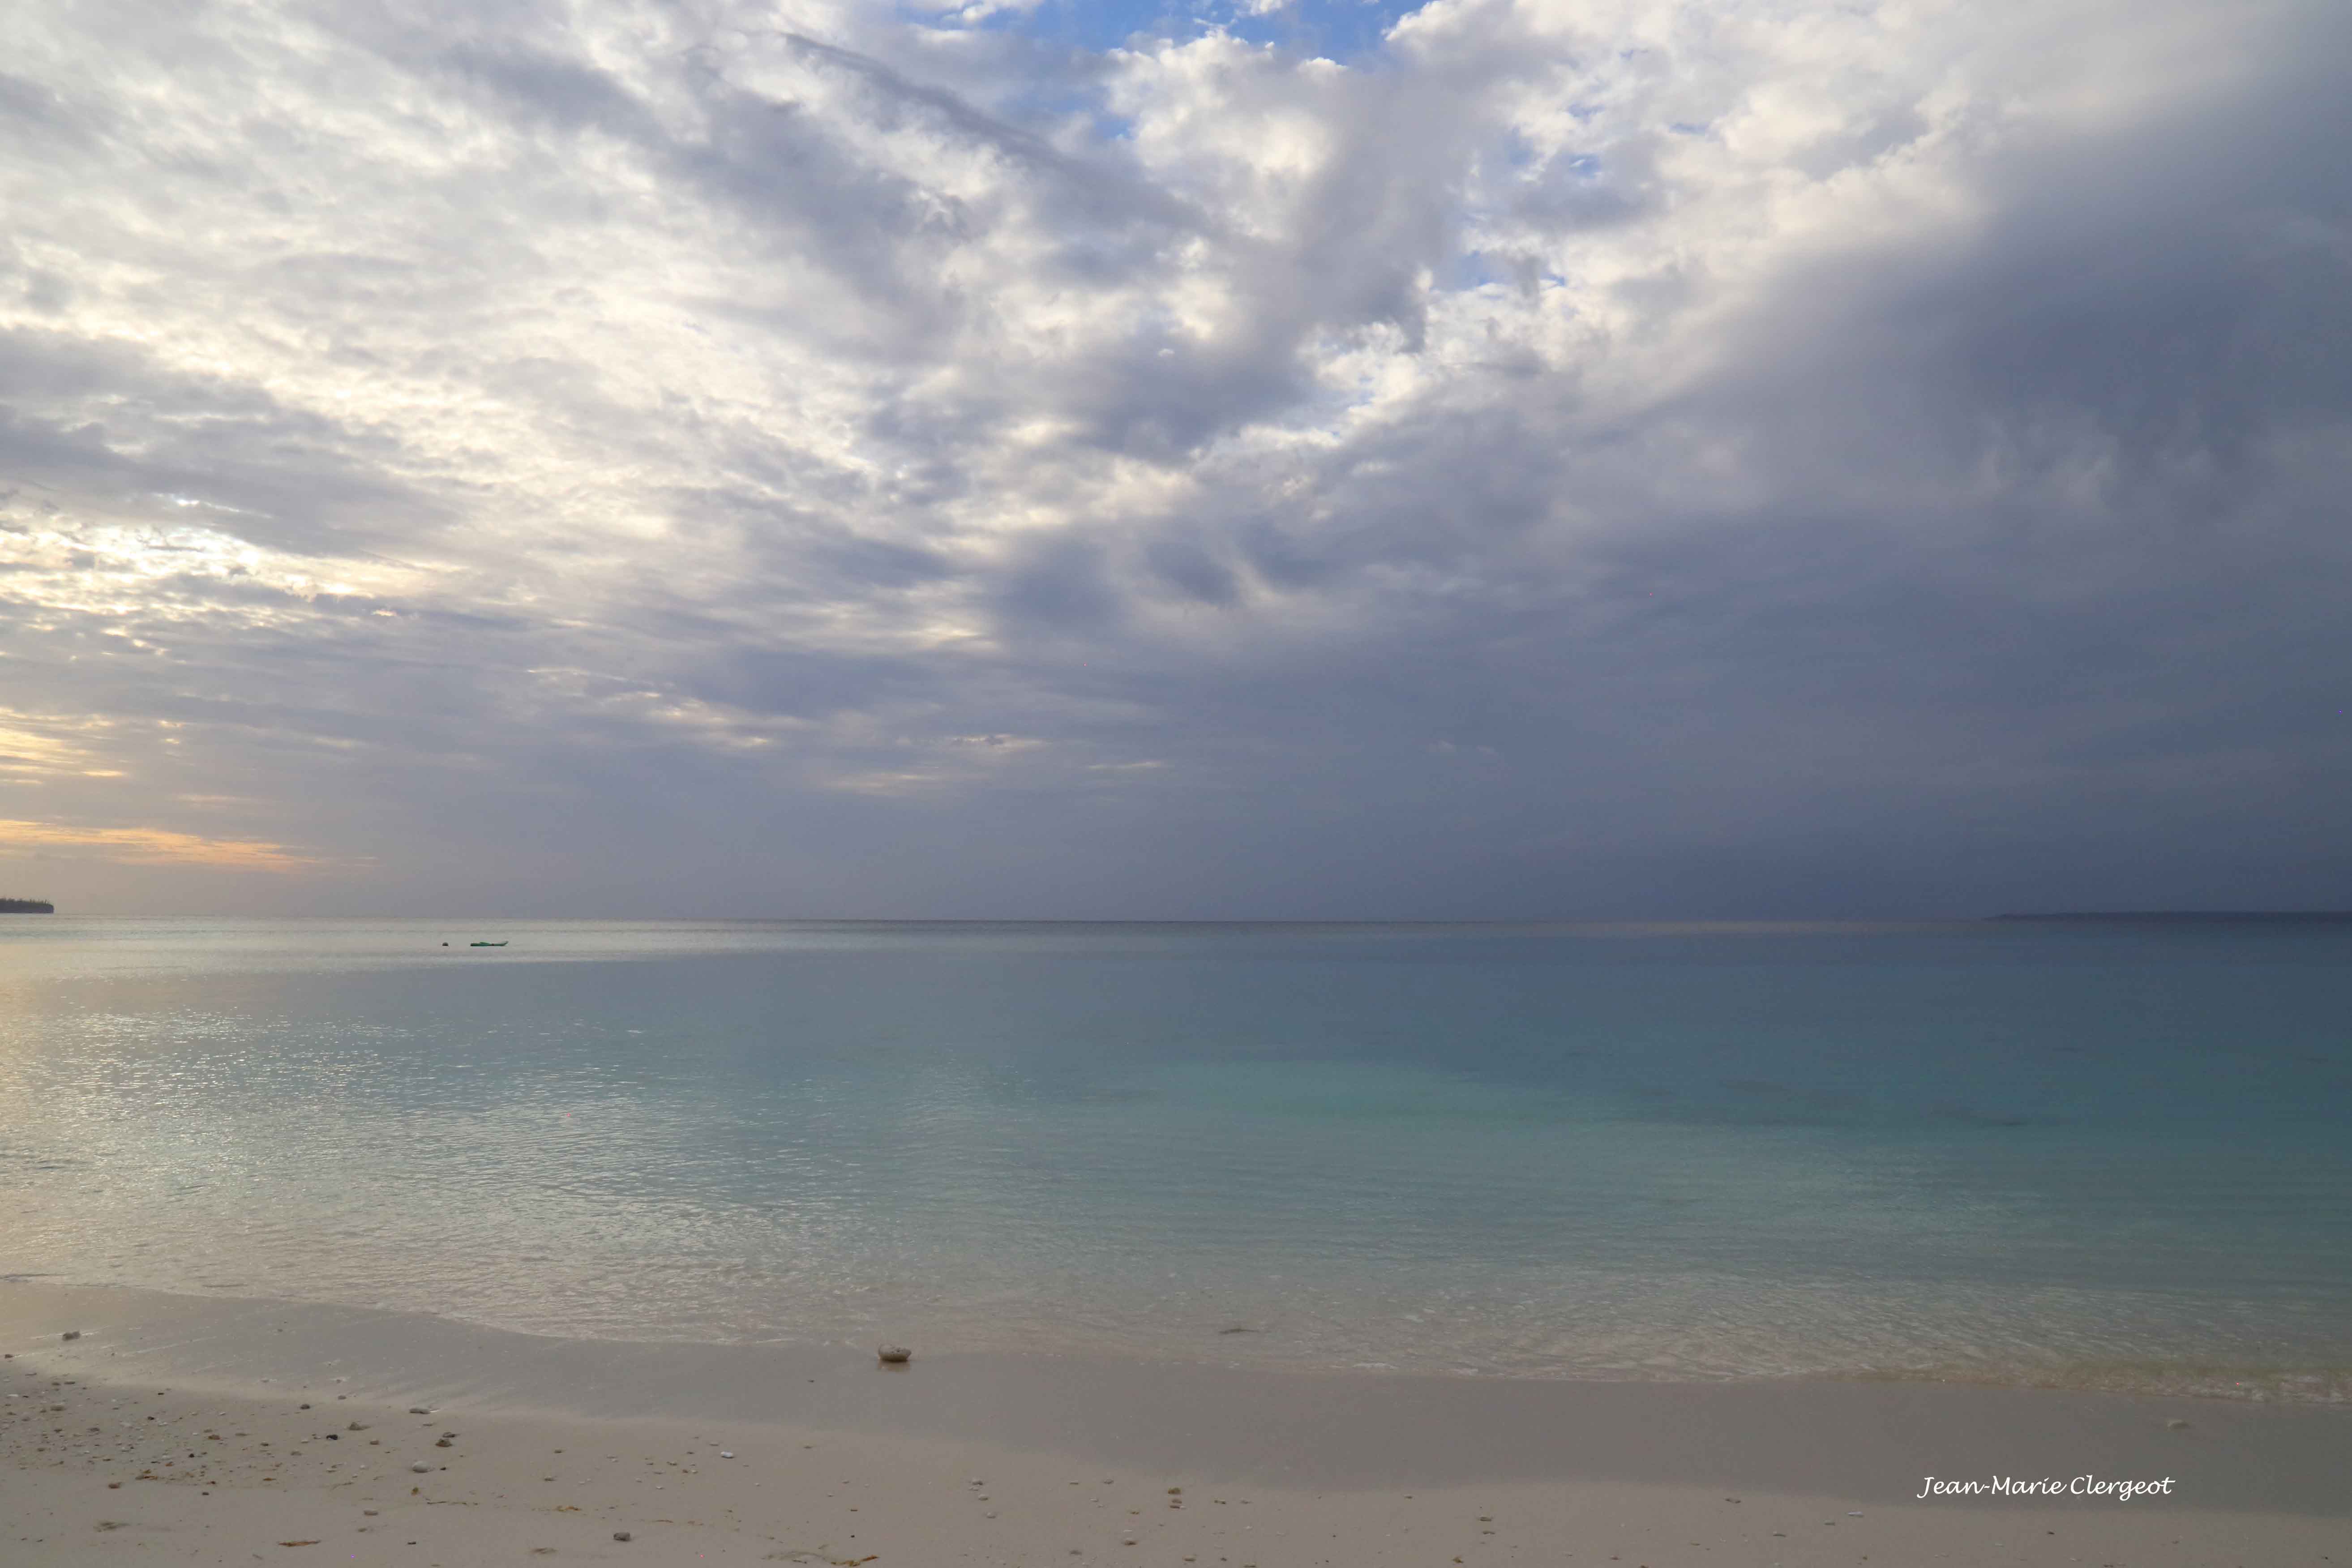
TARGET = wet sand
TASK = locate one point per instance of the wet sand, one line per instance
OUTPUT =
(194, 1430)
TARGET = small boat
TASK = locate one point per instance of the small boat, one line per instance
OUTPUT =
(486, 944)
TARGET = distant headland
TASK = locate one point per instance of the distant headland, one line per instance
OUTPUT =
(26, 906)
(2198, 917)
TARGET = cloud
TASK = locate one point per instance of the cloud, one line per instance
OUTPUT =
(152, 847)
(1673, 456)
(37, 746)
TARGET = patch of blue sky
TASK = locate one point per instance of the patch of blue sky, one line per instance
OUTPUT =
(1467, 270)
(1351, 32)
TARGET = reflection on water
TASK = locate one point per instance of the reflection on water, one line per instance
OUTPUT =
(2077, 1155)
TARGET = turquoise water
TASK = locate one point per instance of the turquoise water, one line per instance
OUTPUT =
(2103, 1157)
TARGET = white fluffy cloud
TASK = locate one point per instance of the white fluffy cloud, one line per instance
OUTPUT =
(726, 458)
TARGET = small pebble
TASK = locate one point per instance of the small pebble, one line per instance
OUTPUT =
(726, 1453)
(2177, 1424)
(620, 1535)
(73, 1334)
(895, 1355)
(419, 1410)
(421, 1469)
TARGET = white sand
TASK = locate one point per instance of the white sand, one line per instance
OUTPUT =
(131, 1444)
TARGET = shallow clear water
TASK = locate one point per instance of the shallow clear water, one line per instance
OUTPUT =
(2107, 1156)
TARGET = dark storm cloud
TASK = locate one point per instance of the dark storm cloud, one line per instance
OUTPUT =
(1657, 461)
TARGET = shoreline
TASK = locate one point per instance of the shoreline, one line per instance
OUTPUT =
(1330, 1468)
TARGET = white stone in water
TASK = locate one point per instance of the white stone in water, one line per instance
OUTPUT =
(895, 1355)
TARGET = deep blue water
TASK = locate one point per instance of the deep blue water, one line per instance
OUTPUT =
(2110, 1156)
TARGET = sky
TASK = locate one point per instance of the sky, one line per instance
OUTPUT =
(1635, 458)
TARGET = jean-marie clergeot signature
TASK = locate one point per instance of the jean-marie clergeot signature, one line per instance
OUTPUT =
(2044, 1486)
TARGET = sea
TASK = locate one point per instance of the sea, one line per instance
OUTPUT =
(2089, 1154)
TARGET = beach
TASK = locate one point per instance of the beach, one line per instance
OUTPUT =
(1230, 1247)
(1279, 785)
(189, 1430)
